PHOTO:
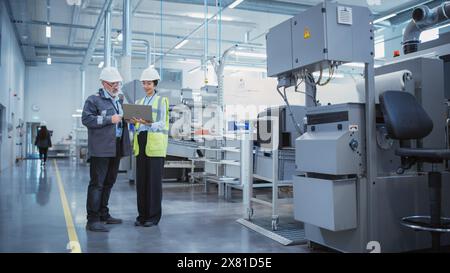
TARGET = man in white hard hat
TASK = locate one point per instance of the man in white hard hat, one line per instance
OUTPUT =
(108, 142)
(150, 148)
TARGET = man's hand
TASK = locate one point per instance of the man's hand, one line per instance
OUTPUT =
(116, 119)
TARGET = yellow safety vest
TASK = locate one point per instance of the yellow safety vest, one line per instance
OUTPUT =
(156, 141)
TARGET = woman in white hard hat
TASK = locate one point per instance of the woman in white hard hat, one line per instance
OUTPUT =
(150, 148)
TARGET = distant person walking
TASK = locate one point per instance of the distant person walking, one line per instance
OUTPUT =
(43, 142)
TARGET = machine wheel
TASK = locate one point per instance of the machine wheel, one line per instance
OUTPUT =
(249, 213)
(275, 221)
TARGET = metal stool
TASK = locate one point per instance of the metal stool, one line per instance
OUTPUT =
(406, 120)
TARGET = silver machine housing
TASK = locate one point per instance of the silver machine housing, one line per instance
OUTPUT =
(346, 188)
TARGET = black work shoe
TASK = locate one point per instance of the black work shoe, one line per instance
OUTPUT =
(148, 224)
(112, 221)
(96, 227)
(138, 224)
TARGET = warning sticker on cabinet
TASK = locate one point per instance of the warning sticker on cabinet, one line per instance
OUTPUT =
(345, 15)
(306, 33)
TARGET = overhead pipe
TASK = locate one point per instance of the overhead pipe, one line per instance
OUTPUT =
(173, 17)
(126, 28)
(95, 34)
(165, 35)
(83, 86)
(278, 7)
(423, 18)
(144, 42)
(207, 21)
(107, 44)
(75, 19)
(148, 57)
(126, 41)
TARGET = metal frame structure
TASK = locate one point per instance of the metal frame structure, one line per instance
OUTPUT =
(276, 7)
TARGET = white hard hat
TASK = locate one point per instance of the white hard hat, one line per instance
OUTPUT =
(43, 123)
(150, 74)
(110, 74)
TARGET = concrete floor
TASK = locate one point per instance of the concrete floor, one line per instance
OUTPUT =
(32, 217)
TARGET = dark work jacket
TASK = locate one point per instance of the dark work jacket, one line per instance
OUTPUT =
(97, 114)
(43, 143)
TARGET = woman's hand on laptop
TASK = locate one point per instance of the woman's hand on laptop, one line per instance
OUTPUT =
(141, 121)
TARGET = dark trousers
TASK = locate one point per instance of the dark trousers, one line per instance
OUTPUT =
(149, 172)
(43, 154)
(103, 171)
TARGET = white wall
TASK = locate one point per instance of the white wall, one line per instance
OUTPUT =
(56, 91)
(12, 78)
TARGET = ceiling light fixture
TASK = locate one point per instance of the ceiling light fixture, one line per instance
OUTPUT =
(195, 69)
(197, 15)
(245, 68)
(387, 17)
(181, 44)
(235, 4)
(48, 31)
(250, 54)
(120, 37)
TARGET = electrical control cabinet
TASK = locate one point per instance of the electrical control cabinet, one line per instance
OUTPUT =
(324, 33)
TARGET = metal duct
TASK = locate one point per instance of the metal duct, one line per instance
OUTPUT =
(423, 18)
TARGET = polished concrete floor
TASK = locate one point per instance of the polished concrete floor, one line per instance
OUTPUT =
(32, 217)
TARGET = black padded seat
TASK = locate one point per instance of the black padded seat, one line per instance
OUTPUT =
(424, 155)
(406, 119)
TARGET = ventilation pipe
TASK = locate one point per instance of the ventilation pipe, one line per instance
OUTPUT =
(423, 18)
(126, 42)
(107, 45)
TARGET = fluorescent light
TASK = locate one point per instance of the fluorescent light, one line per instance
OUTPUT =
(384, 18)
(76, 116)
(245, 68)
(358, 65)
(250, 54)
(101, 64)
(120, 37)
(235, 4)
(193, 70)
(181, 44)
(48, 31)
(79, 110)
(198, 15)
(354, 65)
(49, 60)
(325, 75)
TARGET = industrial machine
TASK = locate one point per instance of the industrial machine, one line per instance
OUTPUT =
(351, 190)
(277, 130)
(275, 140)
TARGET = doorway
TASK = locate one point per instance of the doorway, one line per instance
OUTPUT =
(31, 149)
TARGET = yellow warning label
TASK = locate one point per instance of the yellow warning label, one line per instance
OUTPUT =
(307, 33)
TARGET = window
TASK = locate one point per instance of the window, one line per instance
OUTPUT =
(429, 35)
(380, 51)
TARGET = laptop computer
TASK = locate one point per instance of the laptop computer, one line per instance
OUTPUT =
(137, 111)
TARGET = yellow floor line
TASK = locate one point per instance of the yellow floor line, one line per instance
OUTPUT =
(74, 244)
